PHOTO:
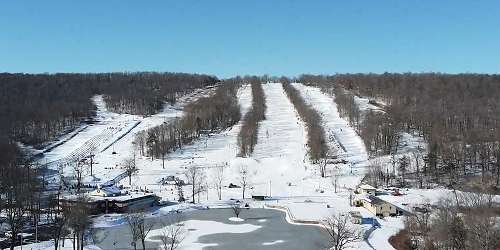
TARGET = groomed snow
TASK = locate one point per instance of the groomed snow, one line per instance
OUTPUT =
(280, 156)
(334, 125)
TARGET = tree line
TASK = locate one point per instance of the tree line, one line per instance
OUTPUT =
(316, 141)
(247, 137)
(145, 93)
(35, 108)
(456, 114)
(459, 221)
(205, 115)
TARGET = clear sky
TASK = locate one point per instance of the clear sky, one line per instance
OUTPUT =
(227, 38)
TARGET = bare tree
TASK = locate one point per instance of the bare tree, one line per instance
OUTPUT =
(236, 207)
(419, 226)
(335, 178)
(78, 220)
(247, 137)
(173, 232)
(78, 170)
(404, 163)
(195, 177)
(138, 228)
(130, 168)
(218, 179)
(244, 179)
(322, 163)
(59, 221)
(18, 185)
(340, 231)
(316, 141)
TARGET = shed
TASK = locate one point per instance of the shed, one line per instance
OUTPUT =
(379, 207)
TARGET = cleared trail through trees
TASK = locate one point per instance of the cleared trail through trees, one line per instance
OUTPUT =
(281, 149)
(247, 138)
(316, 141)
(337, 129)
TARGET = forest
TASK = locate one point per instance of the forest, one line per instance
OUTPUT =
(457, 115)
(37, 108)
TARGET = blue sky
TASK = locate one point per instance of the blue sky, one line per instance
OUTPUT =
(227, 38)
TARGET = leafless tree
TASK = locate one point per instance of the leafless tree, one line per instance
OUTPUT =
(77, 215)
(236, 207)
(244, 178)
(18, 185)
(334, 178)
(130, 168)
(316, 141)
(139, 228)
(196, 177)
(419, 226)
(340, 231)
(322, 163)
(59, 221)
(247, 137)
(78, 170)
(218, 179)
(461, 221)
(403, 168)
(173, 232)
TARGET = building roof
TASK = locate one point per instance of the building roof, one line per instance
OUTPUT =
(130, 196)
(374, 200)
(107, 191)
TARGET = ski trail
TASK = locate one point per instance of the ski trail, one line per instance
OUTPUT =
(208, 151)
(280, 152)
(336, 127)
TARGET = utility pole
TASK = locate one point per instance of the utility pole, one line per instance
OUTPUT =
(91, 163)
(270, 188)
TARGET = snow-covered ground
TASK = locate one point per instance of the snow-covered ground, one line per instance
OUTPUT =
(280, 156)
(279, 166)
(110, 133)
(207, 152)
(49, 245)
(338, 130)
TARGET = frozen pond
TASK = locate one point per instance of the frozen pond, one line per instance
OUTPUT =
(211, 229)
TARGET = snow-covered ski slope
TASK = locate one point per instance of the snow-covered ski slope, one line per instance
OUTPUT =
(110, 133)
(280, 156)
(335, 126)
(207, 152)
